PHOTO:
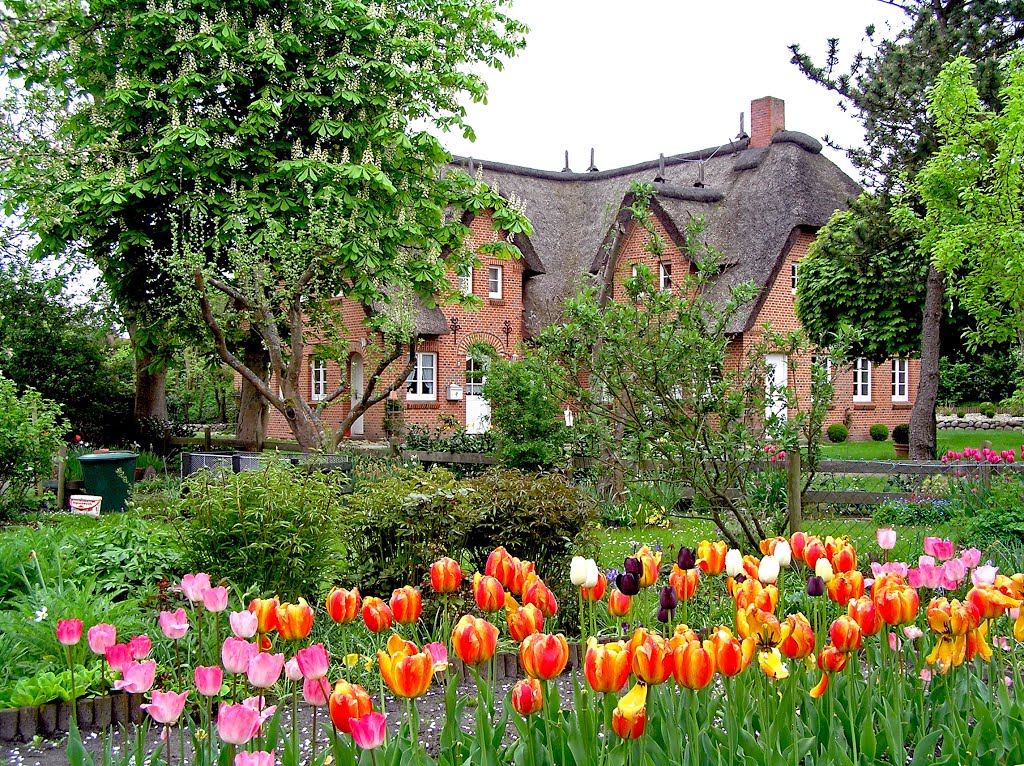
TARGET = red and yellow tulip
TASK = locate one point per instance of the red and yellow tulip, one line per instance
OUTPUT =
(343, 605)
(731, 655)
(474, 640)
(406, 604)
(265, 610)
(684, 582)
(445, 575)
(693, 665)
(544, 656)
(652, 657)
(618, 603)
(376, 614)
(990, 601)
(711, 557)
(830, 660)
(800, 641)
(845, 586)
(527, 697)
(864, 612)
(348, 701)
(537, 593)
(896, 603)
(630, 714)
(407, 673)
(522, 620)
(597, 592)
(294, 621)
(651, 563)
(845, 634)
(488, 592)
(607, 666)
(500, 566)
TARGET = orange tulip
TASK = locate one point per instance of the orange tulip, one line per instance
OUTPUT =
(991, 601)
(474, 640)
(842, 555)
(731, 655)
(772, 665)
(523, 620)
(597, 592)
(618, 603)
(800, 641)
(682, 635)
(527, 697)
(543, 655)
(607, 666)
(845, 634)
(863, 611)
(798, 543)
(953, 621)
(651, 563)
(751, 565)
(265, 610)
(488, 592)
(814, 549)
(629, 728)
(445, 575)
(343, 605)
(768, 546)
(406, 605)
(693, 665)
(294, 621)
(976, 644)
(652, 657)
(348, 701)
(1016, 586)
(845, 586)
(764, 627)
(377, 615)
(684, 582)
(406, 674)
(886, 580)
(537, 593)
(520, 571)
(830, 660)
(500, 566)
(711, 557)
(752, 592)
(897, 604)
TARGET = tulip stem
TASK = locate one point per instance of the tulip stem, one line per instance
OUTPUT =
(313, 739)
(177, 656)
(547, 720)
(74, 691)
(295, 716)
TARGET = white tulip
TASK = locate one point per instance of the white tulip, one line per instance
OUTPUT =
(823, 569)
(768, 571)
(578, 571)
(783, 553)
(592, 574)
(733, 562)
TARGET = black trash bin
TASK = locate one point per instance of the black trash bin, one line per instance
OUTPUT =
(111, 475)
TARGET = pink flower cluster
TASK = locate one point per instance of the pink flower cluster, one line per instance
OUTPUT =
(774, 453)
(983, 455)
(937, 568)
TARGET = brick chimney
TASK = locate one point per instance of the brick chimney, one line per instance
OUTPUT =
(767, 117)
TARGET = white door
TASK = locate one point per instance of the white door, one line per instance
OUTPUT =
(478, 409)
(775, 379)
(357, 392)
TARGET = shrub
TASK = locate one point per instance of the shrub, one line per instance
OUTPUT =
(272, 529)
(993, 512)
(961, 414)
(987, 409)
(879, 432)
(901, 434)
(31, 432)
(837, 432)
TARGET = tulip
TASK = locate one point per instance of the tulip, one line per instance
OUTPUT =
(607, 666)
(475, 640)
(799, 642)
(815, 586)
(751, 592)
(632, 565)
(500, 566)
(343, 605)
(768, 571)
(711, 557)
(255, 758)
(292, 671)
(407, 674)
(845, 634)
(814, 551)
(823, 569)
(845, 586)
(101, 637)
(731, 655)
(294, 621)
(209, 680)
(368, 730)
(651, 564)
(830, 660)
(69, 632)
(140, 647)
(445, 575)
(237, 724)
(886, 538)
(174, 624)
(578, 571)
(377, 615)
(265, 610)
(520, 571)
(313, 662)
(783, 554)
(118, 656)
(523, 620)
(438, 654)
(668, 599)
(193, 585)
(537, 593)
(772, 665)
(733, 562)
(348, 702)
(985, 575)
(264, 669)
(693, 665)
(166, 707)
(630, 710)
(652, 657)
(971, 557)
(618, 603)
(488, 592)
(939, 548)
(315, 692)
(527, 697)
(236, 653)
(215, 599)
(844, 558)
(686, 559)
(990, 601)
(629, 728)
(137, 677)
(684, 582)
(896, 603)
(544, 656)
(865, 614)
(628, 583)
(798, 544)
(406, 605)
(596, 593)
(243, 624)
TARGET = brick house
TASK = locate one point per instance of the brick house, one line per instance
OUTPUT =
(763, 198)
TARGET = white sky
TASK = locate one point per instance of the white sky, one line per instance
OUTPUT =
(637, 78)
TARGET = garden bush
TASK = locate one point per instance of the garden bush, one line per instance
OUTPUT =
(879, 432)
(901, 434)
(837, 432)
(31, 432)
(987, 409)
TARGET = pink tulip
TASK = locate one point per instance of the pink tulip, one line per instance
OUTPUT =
(118, 656)
(209, 680)
(316, 692)
(912, 632)
(894, 642)
(313, 662)
(236, 653)
(258, 758)
(140, 647)
(194, 585)
(264, 670)
(166, 707)
(886, 538)
(439, 654)
(984, 575)
(954, 571)
(137, 677)
(101, 637)
(215, 599)
(292, 671)
(174, 624)
(237, 724)
(939, 548)
(69, 632)
(259, 704)
(368, 730)
(926, 674)
(244, 624)
(971, 557)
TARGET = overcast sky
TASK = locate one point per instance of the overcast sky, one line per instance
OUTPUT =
(637, 78)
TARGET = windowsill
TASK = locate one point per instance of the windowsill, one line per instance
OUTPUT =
(496, 301)
(863, 406)
(422, 404)
(902, 406)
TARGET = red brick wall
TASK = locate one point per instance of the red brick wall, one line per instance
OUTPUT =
(632, 252)
(767, 117)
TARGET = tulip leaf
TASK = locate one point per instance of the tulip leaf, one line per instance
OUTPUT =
(867, 742)
(924, 753)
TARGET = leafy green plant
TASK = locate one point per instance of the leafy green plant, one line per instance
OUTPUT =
(879, 432)
(450, 436)
(987, 409)
(31, 432)
(837, 433)
(48, 686)
(901, 434)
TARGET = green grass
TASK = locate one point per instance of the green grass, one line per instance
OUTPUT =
(947, 440)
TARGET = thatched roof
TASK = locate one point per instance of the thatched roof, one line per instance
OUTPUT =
(752, 200)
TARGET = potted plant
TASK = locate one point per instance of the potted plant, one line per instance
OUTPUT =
(901, 440)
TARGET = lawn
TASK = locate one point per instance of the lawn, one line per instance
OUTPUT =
(947, 440)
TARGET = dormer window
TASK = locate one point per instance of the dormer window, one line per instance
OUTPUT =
(665, 277)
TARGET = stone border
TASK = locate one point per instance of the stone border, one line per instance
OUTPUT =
(975, 422)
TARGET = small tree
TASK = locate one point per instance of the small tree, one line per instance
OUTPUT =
(31, 432)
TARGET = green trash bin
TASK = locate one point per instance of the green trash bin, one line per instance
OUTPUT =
(111, 475)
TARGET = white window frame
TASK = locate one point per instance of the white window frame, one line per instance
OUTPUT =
(416, 381)
(900, 380)
(793, 277)
(817, 360)
(862, 380)
(465, 282)
(493, 294)
(665, 276)
(317, 380)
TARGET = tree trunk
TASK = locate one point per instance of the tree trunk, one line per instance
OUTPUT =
(252, 407)
(922, 420)
(302, 420)
(150, 390)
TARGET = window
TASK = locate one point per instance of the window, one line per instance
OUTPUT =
(899, 380)
(476, 375)
(466, 282)
(318, 381)
(862, 380)
(635, 270)
(823, 361)
(494, 282)
(792, 277)
(665, 277)
(422, 381)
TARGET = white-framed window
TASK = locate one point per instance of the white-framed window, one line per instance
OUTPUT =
(466, 281)
(823, 361)
(494, 282)
(422, 381)
(900, 391)
(665, 277)
(862, 380)
(318, 380)
(476, 375)
(792, 277)
(635, 270)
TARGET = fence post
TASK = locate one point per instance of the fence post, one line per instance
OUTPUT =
(796, 515)
(206, 439)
